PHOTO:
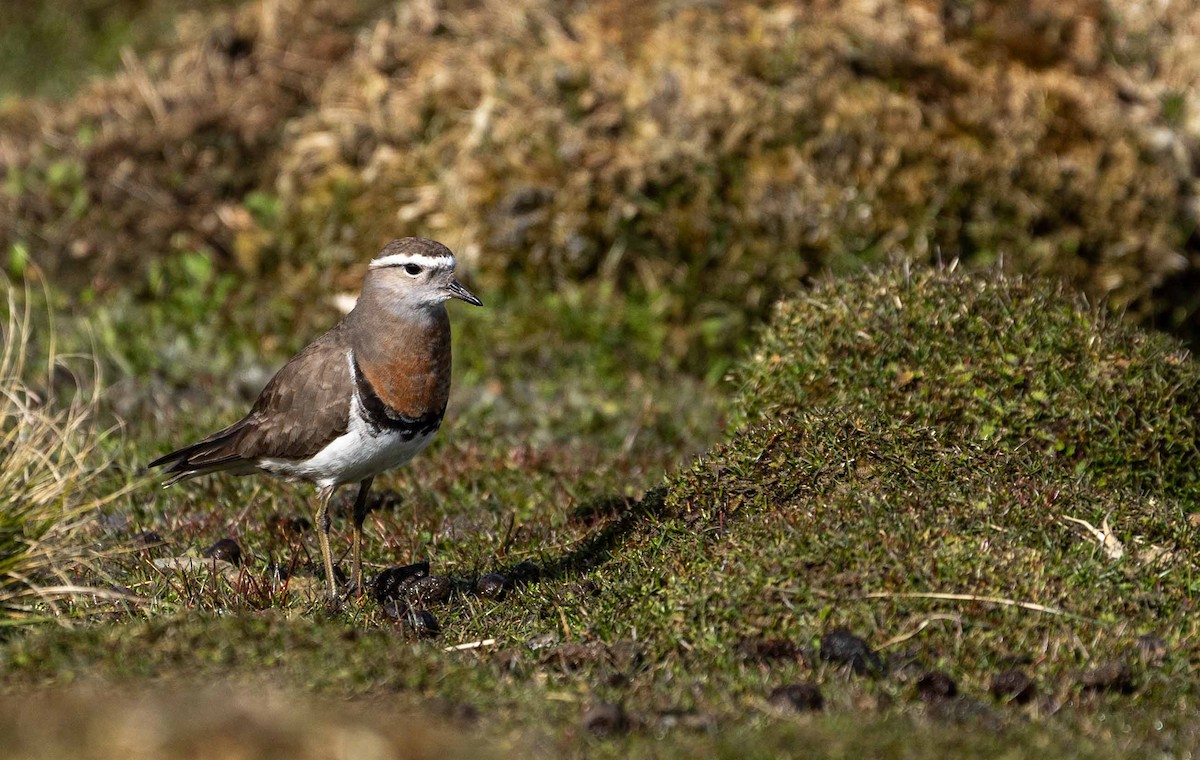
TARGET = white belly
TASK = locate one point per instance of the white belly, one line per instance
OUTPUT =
(358, 453)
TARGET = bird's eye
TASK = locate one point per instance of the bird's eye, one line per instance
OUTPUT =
(412, 269)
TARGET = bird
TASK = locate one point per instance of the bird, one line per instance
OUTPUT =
(365, 397)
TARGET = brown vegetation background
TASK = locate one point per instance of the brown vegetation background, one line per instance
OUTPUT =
(712, 154)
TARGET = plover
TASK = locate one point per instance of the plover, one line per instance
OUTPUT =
(363, 398)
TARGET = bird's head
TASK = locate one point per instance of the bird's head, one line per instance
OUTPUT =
(415, 273)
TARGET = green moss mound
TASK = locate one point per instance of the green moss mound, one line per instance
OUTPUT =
(977, 450)
(988, 361)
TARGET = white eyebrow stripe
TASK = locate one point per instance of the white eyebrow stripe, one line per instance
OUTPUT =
(400, 259)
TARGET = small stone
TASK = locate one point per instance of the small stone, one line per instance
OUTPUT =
(934, 685)
(492, 586)
(622, 655)
(391, 583)
(606, 719)
(800, 697)
(905, 664)
(226, 549)
(841, 647)
(1013, 685)
(1112, 676)
(421, 623)
(1151, 649)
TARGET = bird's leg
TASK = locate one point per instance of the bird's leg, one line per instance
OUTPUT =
(323, 524)
(360, 515)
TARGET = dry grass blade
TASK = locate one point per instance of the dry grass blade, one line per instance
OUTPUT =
(996, 600)
(49, 462)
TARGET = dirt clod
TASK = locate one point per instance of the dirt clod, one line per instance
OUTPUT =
(842, 647)
(226, 549)
(1114, 676)
(541, 641)
(1013, 685)
(800, 697)
(966, 711)
(391, 583)
(525, 572)
(606, 719)
(432, 589)
(574, 655)
(936, 684)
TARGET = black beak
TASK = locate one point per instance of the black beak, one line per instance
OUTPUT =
(456, 290)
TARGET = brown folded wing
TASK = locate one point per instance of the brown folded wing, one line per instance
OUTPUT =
(304, 407)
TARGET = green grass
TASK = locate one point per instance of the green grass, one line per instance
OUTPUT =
(905, 454)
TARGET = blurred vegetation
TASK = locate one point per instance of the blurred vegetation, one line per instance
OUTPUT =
(213, 723)
(701, 159)
(51, 47)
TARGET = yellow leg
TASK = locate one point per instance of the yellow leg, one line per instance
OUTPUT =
(360, 515)
(323, 524)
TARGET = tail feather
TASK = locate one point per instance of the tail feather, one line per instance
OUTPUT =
(215, 453)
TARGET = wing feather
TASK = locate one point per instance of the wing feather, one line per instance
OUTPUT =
(304, 407)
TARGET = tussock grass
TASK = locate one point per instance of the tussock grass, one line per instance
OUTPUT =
(50, 463)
